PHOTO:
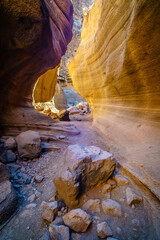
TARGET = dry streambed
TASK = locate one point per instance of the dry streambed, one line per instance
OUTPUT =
(99, 206)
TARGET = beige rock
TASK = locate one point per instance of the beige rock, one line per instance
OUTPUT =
(132, 197)
(112, 182)
(112, 207)
(103, 230)
(82, 166)
(11, 143)
(92, 206)
(77, 219)
(29, 144)
(50, 209)
(58, 232)
(38, 178)
(121, 180)
(106, 188)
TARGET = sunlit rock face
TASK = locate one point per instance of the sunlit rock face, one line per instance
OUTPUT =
(34, 36)
(81, 8)
(117, 70)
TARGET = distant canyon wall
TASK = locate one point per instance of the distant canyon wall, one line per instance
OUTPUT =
(117, 70)
(34, 36)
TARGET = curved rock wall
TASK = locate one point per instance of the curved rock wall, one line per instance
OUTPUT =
(117, 70)
(34, 36)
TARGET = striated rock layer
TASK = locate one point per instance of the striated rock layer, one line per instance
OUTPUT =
(34, 36)
(117, 70)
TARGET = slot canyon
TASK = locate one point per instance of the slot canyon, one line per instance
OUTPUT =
(80, 120)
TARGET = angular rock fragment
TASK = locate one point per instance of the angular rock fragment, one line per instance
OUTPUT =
(29, 144)
(112, 207)
(10, 143)
(132, 197)
(78, 220)
(10, 156)
(50, 209)
(58, 232)
(112, 182)
(121, 180)
(92, 206)
(73, 110)
(38, 178)
(82, 168)
(63, 115)
(103, 230)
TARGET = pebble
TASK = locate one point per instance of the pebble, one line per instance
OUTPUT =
(32, 198)
(31, 205)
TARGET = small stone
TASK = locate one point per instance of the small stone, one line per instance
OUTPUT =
(106, 188)
(10, 143)
(112, 182)
(61, 137)
(10, 156)
(77, 219)
(92, 205)
(121, 180)
(50, 209)
(136, 222)
(58, 232)
(59, 214)
(63, 115)
(31, 198)
(96, 219)
(28, 228)
(31, 205)
(119, 231)
(37, 193)
(58, 221)
(38, 178)
(112, 207)
(133, 206)
(132, 197)
(103, 230)
(76, 236)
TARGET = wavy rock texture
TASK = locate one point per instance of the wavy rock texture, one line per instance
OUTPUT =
(34, 36)
(117, 70)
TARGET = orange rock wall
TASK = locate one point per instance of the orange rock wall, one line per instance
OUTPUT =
(117, 70)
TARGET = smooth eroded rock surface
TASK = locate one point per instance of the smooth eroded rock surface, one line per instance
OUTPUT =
(82, 168)
(112, 207)
(116, 69)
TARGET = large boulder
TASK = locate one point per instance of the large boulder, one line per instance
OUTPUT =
(29, 144)
(77, 219)
(82, 168)
(8, 198)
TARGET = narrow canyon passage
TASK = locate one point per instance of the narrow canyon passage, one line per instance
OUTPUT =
(79, 120)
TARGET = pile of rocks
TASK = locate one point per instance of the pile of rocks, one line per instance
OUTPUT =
(82, 169)
(26, 146)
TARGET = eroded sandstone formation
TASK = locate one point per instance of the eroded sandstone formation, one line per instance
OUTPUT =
(117, 70)
(34, 36)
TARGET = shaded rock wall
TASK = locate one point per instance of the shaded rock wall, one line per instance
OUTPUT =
(34, 36)
(117, 70)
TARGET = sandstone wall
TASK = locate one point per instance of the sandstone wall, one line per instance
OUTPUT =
(117, 70)
(34, 36)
